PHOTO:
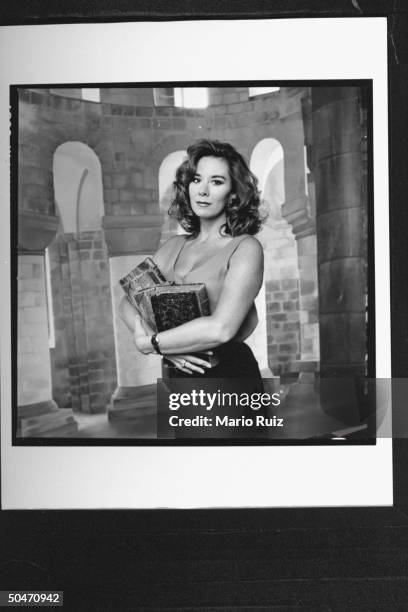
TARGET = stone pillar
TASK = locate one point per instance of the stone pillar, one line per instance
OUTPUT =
(296, 208)
(33, 358)
(37, 413)
(133, 368)
(341, 226)
(83, 360)
(309, 302)
(130, 239)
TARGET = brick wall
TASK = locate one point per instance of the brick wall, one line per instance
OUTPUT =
(223, 96)
(309, 299)
(83, 361)
(128, 96)
(282, 296)
(132, 141)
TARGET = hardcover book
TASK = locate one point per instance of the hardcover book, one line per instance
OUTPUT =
(146, 275)
(168, 306)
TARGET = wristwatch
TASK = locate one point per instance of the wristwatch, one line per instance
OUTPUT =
(155, 344)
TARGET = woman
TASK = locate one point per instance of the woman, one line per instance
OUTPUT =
(217, 204)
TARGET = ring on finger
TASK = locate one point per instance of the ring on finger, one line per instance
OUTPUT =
(183, 363)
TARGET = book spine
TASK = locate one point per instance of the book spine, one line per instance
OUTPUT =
(146, 310)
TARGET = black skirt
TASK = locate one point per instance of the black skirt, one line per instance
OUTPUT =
(236, 360)
(237, 370)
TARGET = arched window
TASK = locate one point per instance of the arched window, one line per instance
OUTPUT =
(167, 174)
(267, 163)
(78, 187)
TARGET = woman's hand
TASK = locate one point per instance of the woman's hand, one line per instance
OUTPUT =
(189, 363)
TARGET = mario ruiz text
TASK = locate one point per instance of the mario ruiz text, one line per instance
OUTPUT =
(205, 421)
(207, 401)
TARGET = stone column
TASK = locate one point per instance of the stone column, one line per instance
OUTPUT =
(83, 360)
(341, 225)
(33, 359)
(130, 239)
(37, 413)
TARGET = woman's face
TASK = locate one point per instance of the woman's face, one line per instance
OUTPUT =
(210, 188)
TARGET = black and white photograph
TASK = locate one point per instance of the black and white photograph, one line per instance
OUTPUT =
(194, 232)
(203, 249)
(198, 266)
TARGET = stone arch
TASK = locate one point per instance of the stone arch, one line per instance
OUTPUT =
(166, 177)
(281, 274)
(267, 163)
(167, 172)
(265, 131)
(78, 187)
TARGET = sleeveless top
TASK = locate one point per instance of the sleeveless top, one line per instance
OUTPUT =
(211, 272)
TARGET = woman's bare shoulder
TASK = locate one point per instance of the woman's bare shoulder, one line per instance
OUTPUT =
(247, 249)
(247, 245)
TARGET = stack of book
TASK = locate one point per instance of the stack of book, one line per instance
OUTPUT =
(165, 305)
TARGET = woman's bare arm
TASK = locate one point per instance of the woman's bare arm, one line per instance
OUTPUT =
(128, 313)
(242, 284)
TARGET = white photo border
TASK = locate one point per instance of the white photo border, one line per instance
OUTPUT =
(199, 477)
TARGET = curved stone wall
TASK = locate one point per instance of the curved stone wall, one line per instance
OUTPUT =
(131, 138)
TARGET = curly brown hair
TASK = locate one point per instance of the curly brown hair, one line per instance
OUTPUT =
(242, 210)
